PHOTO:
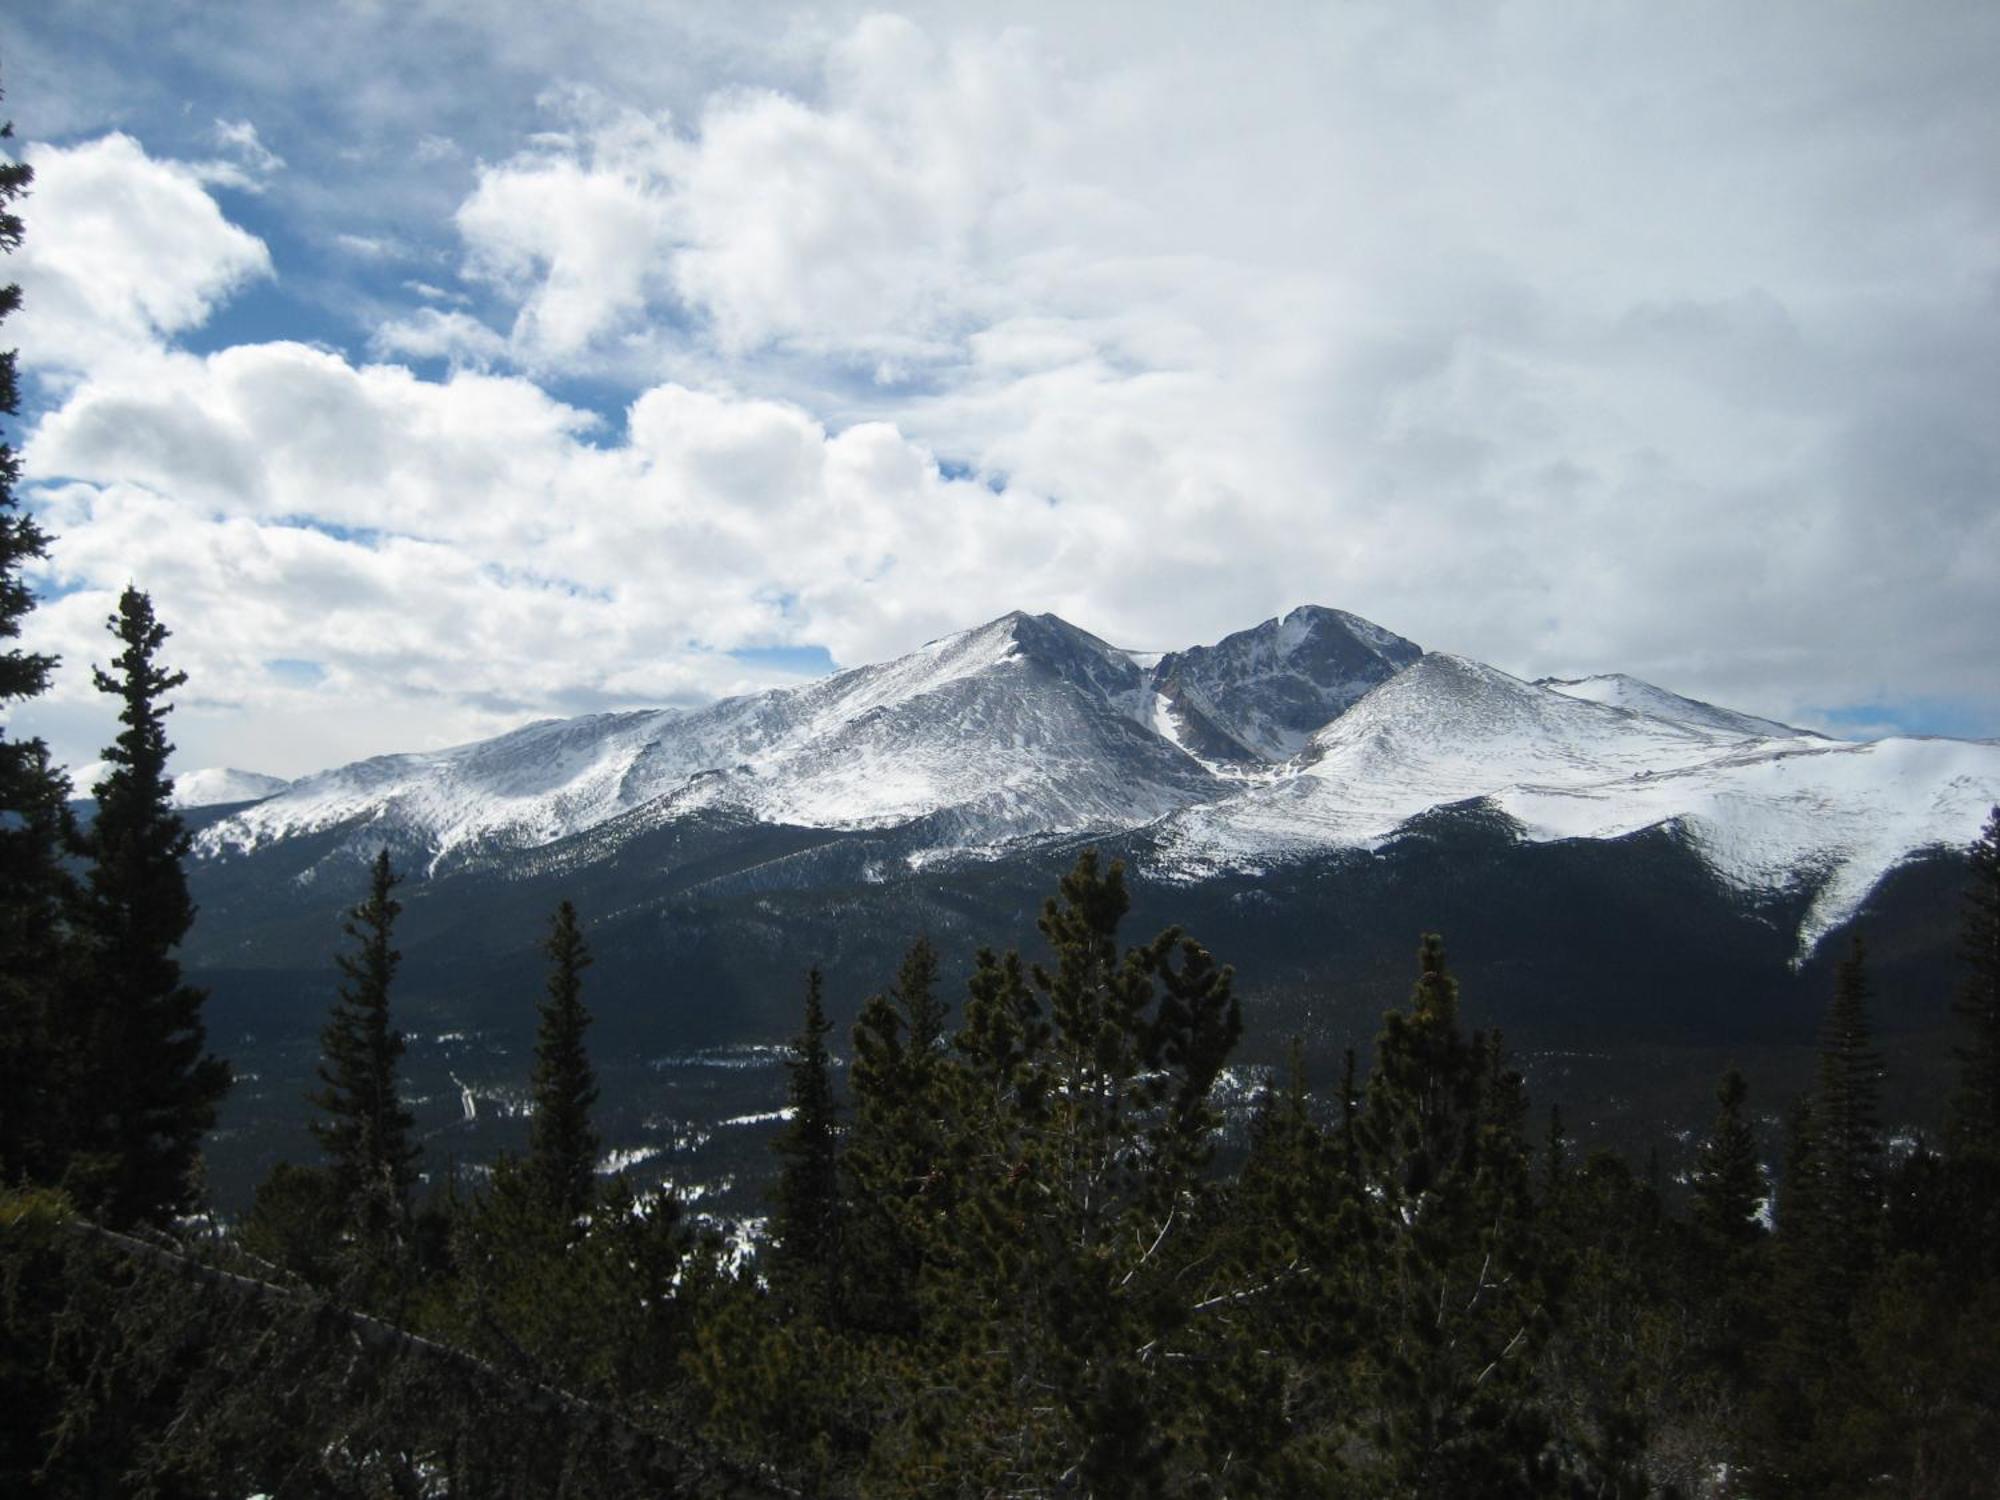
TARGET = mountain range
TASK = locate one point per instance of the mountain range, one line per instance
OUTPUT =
(1619, 869)
(1313, 732)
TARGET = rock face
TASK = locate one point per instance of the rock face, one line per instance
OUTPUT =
(1256, 697)
(1311, 733)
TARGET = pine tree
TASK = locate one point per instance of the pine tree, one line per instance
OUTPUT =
(1728, 1251)
(1728, 1182)
(1447, 1275)
(1847, 1135)
(1830, 1229)
(562, 1147)
(1975, 1108)
(894, 1150)
(35, 890)
(371, 1159)
(805, 1224)
(146, 1089)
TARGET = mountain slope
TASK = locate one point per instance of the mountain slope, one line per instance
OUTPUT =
(217, 786)
(1786, 812)
(1025, 725)
(1616, 690)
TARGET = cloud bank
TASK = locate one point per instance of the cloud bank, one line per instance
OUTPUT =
(1650, 342)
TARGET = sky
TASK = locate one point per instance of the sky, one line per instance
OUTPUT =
(446, 364)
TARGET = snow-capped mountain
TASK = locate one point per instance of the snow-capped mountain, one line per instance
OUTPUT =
(211, 786)
(217, 786)
(1311, 733)
(1766, 811)
(1023, 726)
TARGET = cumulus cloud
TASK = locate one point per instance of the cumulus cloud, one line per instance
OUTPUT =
(477, 553)
(126, 250)
(1658, 344)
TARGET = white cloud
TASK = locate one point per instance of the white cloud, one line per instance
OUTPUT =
(239, 138)
(1660, 343)
(124, 250)
(428, 333)
(578, 237)
(463, 554)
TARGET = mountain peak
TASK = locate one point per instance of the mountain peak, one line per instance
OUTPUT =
(1257, 697)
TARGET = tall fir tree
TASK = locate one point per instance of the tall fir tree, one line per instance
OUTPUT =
(1847, 1154)
(894, 1150)
(1727, 1180)
(1975, 1107)
(805, 1223)
(146, 1088)
(1449, 1288)
(371, 1159)
(562, 1146)
(35, 889)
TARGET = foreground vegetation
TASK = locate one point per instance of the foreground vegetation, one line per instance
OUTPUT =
(1006, 1263)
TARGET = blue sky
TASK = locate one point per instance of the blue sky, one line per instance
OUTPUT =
(445, 365)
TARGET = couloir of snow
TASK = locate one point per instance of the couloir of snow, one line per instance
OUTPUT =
(1765, 814)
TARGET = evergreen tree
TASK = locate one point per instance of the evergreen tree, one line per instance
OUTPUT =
(1809, 1422)
(1975, 1108)
(1728, 1182)
(805, 1223)
(894, 1150)
(371, 1159)
(1846, 1158)
(1447, 1275)
(1727, 1256)
(562, 1147)
(34, 888)
(146, 1088)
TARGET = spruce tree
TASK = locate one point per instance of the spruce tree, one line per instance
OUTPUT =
(562, 1147)
(1727, 1180)
(1975, 1108)
(146, 1087)
(371, 1159)
(1847, 1133)
(805, 1223)
(34, 887)
(894, 1150)
(1446, 1278)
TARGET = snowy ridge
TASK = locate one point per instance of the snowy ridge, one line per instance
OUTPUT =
(1768, 814)
(1025, 725)
(1313, 732)
(215, 786)
(1616, 690)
